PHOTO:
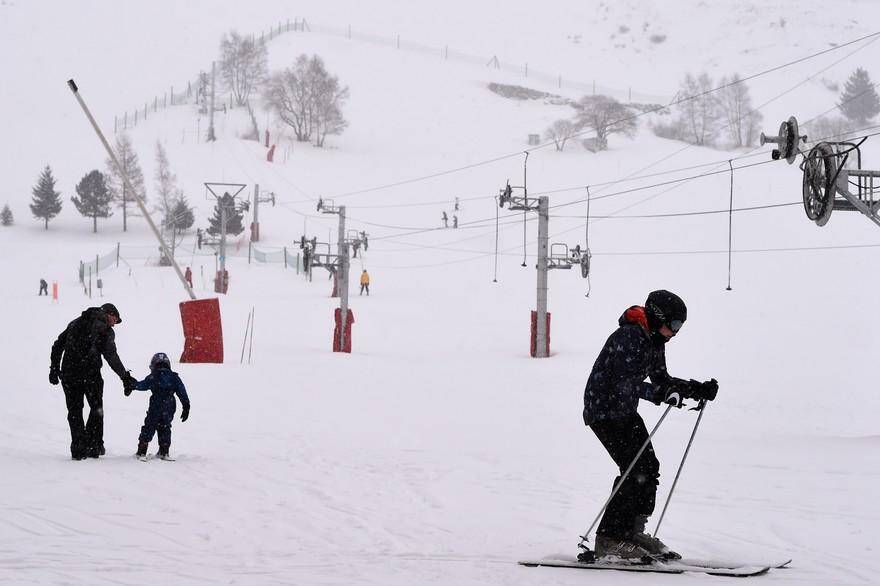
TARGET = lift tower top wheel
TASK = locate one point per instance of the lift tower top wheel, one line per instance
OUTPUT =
(787, 139)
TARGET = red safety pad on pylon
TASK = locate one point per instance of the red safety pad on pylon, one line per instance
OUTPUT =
(336, 330)
(534, 345)
(202, 330)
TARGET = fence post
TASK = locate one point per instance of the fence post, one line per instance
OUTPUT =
(165, 100)
(285, 257)
(560, 81)
(115, 122)
(97, 265)
(117, 255)
(446, 52)
(398, 41)
(527, 69)
(297, 263)
(125, 121)
(594, 87)
(90, 281)
(172, 95)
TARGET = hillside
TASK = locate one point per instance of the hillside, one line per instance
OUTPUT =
(438, 451)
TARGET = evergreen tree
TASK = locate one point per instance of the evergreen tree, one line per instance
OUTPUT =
(46, 203)
(128, 159)
(6, 216)
(859, 101)
(182, 217)
(233, 217)
(94, 197)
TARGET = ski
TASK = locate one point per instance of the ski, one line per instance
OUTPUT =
(670, 567)
(732, 564)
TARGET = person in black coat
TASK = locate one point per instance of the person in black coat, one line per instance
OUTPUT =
(76, 363)
(634, 352)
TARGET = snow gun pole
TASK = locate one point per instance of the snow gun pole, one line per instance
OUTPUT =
(623, 477)
(702, 409)
(140, 202)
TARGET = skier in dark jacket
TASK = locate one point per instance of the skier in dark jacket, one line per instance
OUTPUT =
(164, 384)
(634, 352)
(76, 362)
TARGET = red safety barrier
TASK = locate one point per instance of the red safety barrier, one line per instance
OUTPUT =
(534, 345)
(202, 330)
(350, 320)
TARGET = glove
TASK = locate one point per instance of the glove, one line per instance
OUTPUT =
(54, 374)
(128, 383)
(184, 415)
(674, 396)
(705, 391)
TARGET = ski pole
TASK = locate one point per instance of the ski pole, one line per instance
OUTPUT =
(702, 409)
(625, 474)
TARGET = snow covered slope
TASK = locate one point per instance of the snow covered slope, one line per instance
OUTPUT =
(438, 452)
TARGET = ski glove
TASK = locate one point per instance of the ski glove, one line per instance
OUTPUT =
(54, 374)
(674, 396)
(705, 391)
(184, 415)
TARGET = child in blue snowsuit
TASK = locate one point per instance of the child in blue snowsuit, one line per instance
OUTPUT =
(164, 384)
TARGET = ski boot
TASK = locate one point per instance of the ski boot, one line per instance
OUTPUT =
(141, 453)
(162, 454)
(654, 546)
(621, 549)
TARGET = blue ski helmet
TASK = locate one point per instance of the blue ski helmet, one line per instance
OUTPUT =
(160, 360)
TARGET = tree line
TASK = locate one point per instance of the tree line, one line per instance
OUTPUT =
(97, 193)
(707, 114)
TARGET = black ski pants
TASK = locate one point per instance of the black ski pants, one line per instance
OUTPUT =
(623, 438)
(86, 439)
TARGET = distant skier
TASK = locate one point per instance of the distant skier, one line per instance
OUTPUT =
(44, 288)
(365, 282)
(82, 343)
(635, 351)
(164, 383)
(445, 219)
(188, 275)
(455, 221)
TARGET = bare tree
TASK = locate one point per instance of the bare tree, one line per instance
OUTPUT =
(122, 195)
(308, 98)
(605, 116)
(736, 106)
(288, 93)
(328, 98)
(699, 111)
(166, 183)
(560, 132)
(242, 64)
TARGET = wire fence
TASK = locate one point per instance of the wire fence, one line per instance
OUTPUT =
(151, 256)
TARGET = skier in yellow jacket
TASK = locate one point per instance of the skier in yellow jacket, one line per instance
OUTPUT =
(365, 282)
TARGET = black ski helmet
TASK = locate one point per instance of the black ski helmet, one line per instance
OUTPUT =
(160, 360)
(665, 308)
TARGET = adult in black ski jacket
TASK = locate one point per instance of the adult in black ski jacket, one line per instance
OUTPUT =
(76, 363)
(636, 351)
